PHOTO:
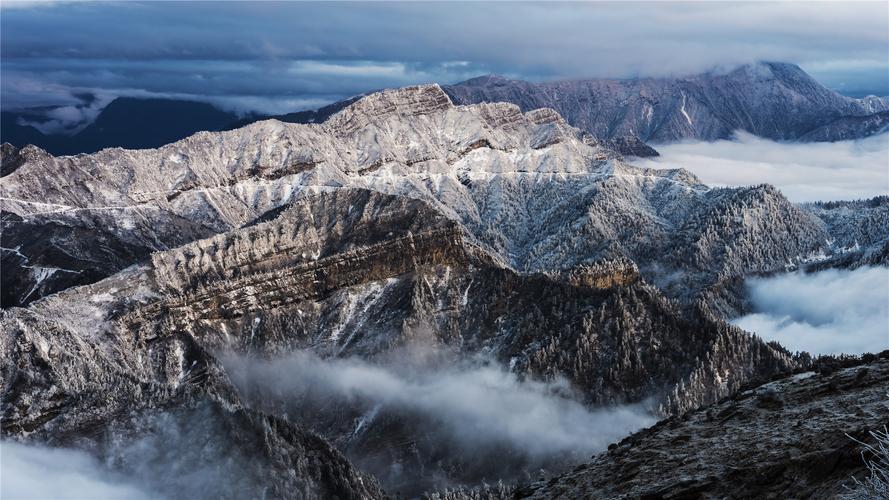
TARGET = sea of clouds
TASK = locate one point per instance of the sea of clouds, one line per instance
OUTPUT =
(844, 170)
(828, 312)
(38, 473)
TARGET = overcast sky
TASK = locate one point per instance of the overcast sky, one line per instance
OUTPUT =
(279, 57)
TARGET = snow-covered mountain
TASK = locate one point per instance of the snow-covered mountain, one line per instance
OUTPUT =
(491, 235)
(772, 100)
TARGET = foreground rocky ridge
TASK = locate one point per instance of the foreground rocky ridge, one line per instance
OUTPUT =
(787, 438)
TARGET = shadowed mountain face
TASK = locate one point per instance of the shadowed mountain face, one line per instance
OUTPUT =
(772, 100)
(508, 244)
(125, 122)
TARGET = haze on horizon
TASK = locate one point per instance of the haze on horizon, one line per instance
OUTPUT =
(272, 57)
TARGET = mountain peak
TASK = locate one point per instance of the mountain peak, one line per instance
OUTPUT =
(487, 80)
(406, 101)
(773, 70)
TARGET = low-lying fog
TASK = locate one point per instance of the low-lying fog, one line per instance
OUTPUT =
(39, 473)
(418, 419)
(824, 171)
(464, 421)
(828, 312)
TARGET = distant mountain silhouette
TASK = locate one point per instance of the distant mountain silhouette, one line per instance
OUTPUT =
(126, 122)
(135, 123)
(308, 116)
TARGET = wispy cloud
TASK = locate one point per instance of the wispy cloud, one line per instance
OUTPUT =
(476, 404)
(480, 412)
(829, 312)
(803, 172)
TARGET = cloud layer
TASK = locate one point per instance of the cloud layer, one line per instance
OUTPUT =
(280, 56)
(474, 413)
(36, 472)
(803, 172)
(829, 312)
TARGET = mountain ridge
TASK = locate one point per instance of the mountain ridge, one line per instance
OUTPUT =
(376, 274)
(772, 100)
(534, 190)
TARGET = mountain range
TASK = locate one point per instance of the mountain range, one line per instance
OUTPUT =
(776, 101)
(164, 285)
(772, 100)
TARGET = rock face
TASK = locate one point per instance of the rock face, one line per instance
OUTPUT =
(850, 127)
(772, 100)
(630, 145)
(787, 437)
(376, 267)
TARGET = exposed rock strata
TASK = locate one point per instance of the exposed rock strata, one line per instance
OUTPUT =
(72, 377)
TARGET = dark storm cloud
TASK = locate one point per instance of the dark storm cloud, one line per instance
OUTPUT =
(278, 57)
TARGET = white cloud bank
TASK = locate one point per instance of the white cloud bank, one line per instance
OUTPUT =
(39, 473)
(829, 312)
(803, 172)
(476, 405)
